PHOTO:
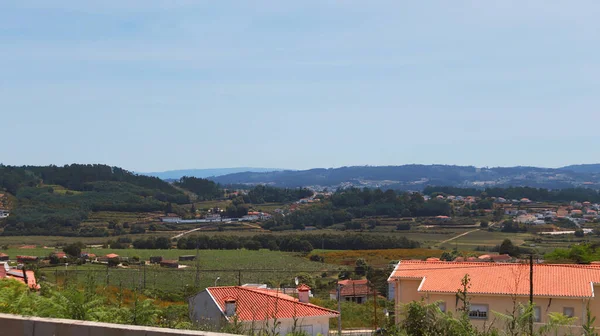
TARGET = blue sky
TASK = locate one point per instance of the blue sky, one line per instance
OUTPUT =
(157, 85)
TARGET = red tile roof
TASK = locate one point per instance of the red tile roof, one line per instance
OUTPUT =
(257, 305)
(59, 254)
(303, 287)
(27, 257)
(353, 288)
(18, 275)
(112, 255)
(504, 278)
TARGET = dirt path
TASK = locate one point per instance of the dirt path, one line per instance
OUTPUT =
(212, 227)
(456, 237)
(190, 231)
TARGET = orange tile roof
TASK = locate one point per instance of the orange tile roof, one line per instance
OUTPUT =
(112, 255)
(353, 288)
(258, 305)
(505, 278)
(303, 287)
(18, 275)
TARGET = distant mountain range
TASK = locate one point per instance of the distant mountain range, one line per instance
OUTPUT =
(416, 177)
(204, 173)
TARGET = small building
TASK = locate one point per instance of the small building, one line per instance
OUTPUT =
(110, 256)
(169, 263)
(59, 255)
(27, 259)
(88, 256)
(156, 259)
(353, 290)
(4, 213)
(26, 277)
(4, 257)
(187, 258)
(259, 309)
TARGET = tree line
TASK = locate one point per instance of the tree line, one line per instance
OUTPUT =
(353, 203)
(296, 242)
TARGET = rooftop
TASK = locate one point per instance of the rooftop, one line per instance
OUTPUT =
(259, 304)
(504, 278)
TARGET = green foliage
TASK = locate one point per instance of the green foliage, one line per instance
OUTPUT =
(205, 189)
(263, 194)
(507, 247)
(74, 249)
(588, 325)
(294, 242)
(581, 254)
(89, 188)
(513, 227)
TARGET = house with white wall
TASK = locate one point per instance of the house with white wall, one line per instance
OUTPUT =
(259, 309)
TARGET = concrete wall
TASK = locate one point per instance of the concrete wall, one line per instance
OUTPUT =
(204, 310)
(14, 325)
(311, 325)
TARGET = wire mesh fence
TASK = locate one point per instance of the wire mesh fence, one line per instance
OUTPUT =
(188, 280)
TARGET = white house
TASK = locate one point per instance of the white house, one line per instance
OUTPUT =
(4, 213)
(258, 309)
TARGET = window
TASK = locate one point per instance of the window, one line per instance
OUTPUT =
(537, 314)
(442, 306)
(569, 311)
(478, 311)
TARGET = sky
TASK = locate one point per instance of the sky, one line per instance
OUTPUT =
(152, 85)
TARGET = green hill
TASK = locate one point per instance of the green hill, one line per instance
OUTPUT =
(53, 200)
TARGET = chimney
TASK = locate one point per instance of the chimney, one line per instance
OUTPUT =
(230, 306)
(303, 293)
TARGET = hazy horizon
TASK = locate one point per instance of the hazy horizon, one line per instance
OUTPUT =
(160, 85)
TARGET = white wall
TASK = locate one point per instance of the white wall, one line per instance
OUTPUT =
(312, 325)
(204, 310)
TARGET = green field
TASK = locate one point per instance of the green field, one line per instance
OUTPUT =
(231, 266)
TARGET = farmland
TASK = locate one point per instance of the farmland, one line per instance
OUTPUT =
(231, 267)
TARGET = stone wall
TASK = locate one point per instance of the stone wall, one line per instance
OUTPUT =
(15, 325)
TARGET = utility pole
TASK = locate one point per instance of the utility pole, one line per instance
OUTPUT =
(339, 309)
(375, 307)
(531, 293)
(197, 280)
